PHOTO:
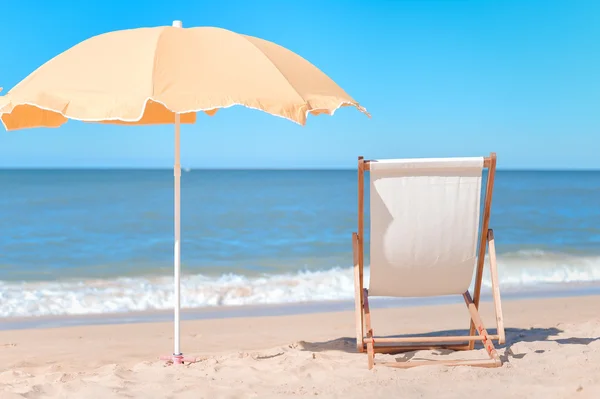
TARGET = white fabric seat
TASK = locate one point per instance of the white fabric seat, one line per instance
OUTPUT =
(424, 225)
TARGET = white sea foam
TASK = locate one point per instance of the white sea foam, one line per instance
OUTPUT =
(518, 271)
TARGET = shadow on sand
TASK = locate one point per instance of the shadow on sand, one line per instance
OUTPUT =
(513, 336)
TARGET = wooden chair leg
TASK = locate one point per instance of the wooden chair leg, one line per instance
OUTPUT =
(358, 298)
(488, 344)
(370, 349)
(370, 336)
(496, 288)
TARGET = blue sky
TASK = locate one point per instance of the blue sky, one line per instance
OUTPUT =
(441, 78)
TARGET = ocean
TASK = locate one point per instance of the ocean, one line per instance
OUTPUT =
(79, 242)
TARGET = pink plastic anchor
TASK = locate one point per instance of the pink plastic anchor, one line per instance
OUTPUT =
(178, 359)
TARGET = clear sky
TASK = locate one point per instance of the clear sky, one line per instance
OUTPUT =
(441, 78)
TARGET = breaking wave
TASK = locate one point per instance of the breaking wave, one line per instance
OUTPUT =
(518, 271)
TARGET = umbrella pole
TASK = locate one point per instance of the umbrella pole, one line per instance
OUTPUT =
(177, 249)
(177, 357)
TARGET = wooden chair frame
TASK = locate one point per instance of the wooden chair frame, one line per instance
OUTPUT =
(363, 318)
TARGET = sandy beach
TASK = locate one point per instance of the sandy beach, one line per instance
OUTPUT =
(552, 351)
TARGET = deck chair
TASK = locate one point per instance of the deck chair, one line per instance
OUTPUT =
(425, 219)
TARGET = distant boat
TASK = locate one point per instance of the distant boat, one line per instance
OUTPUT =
(186, 169)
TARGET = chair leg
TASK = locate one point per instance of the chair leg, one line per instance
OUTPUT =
(370, 336)
(488, 344)
(488, 241)
(370, 351)
(358, 296)
(496, 288)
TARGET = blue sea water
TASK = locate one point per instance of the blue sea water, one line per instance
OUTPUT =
(101, 241)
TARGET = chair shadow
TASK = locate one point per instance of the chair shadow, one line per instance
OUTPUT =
(513, 336)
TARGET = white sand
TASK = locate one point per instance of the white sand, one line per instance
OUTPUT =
(553, 351)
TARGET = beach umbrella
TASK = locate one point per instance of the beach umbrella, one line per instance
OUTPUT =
(164, 75)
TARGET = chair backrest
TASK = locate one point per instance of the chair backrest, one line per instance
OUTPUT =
(424, 225)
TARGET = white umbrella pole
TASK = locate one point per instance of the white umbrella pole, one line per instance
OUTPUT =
(177, 249)
(177, 357)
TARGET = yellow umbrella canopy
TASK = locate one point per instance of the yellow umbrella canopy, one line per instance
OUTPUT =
(146, 75)
(165, 75)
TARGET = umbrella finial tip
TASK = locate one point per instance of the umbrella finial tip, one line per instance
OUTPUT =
(177, 24)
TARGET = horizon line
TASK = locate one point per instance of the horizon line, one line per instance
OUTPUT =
(256, 169)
